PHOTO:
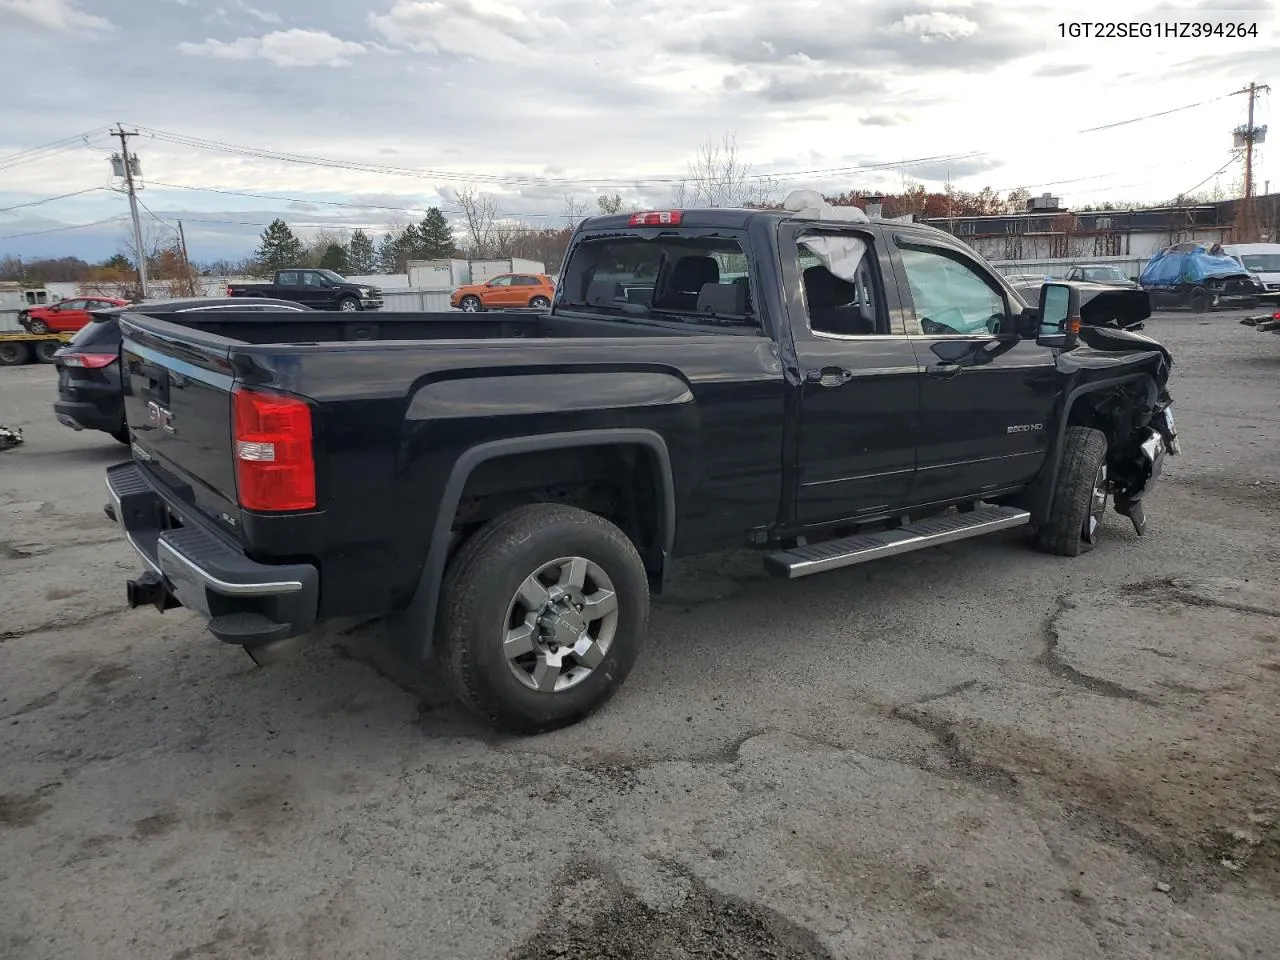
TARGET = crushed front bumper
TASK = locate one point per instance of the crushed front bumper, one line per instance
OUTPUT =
(191, 564)
(1154, 450)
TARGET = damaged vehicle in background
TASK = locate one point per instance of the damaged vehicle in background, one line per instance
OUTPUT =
(1192, 275)
(822, 387)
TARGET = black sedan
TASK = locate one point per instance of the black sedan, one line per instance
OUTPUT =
(89, 391)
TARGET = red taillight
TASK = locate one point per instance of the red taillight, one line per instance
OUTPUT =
(275, 463)
(660, 218)
(89, 361)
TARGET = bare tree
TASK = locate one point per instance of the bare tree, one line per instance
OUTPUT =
(479, 216)
(575, 210)
(719, 177)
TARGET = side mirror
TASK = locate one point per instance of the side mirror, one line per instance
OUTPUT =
(1059, 316)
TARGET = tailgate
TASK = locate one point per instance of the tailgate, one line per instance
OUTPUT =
(177, 398)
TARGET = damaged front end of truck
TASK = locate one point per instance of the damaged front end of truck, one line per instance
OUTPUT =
(1115, 379)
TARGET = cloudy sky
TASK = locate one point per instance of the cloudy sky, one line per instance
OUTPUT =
(397, 103)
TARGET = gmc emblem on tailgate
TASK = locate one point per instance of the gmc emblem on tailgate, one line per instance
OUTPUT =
(160, 417)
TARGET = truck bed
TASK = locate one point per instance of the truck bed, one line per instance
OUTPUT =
(396, 398)
(316, 327)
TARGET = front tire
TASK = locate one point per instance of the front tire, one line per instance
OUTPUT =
(543, 614)
(471, 305)
(1199, 301)
(1080, 496)
(38, 327)
(348, 304)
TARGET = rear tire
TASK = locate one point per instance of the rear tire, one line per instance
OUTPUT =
(14, 354)
(1199, 301)
(45, 349)
(1080, 496)
(539, 303)
(502, 602)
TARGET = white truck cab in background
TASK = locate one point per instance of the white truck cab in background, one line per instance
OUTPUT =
(1260, 259)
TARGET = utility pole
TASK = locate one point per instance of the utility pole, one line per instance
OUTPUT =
(186, 261)
(1248, 136)
(127, 165)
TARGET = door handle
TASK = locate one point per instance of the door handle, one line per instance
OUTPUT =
(829, 376)
(944, 371)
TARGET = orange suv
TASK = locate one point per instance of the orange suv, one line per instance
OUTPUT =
(504, 292)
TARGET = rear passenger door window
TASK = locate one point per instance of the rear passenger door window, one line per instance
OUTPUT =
(841, 289)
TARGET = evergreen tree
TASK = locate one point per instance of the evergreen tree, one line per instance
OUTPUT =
(119, 262)
(361, 258)
(278, 249)
(335, 259)
(388, 254)
(436, 236)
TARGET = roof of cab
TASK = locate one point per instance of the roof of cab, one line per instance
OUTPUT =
(737, 218)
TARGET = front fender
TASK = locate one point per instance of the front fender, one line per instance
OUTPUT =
(1077, 386)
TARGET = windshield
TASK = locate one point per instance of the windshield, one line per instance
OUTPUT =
(1261, 262)
(332, 277)
(661, 277)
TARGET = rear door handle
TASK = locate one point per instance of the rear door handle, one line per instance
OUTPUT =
(944, 371)
(829, 376)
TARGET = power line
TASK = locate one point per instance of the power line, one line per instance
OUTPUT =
(1215, 173)
(1152, 116)
(522, 180)
(49, 150)
(77, 226)
(1096, 176)
(49, 146)
(63, 196)
(334, 203)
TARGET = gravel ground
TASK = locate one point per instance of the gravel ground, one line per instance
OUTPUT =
(974, 751)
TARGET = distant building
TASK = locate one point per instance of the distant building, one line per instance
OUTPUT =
(1049, 232)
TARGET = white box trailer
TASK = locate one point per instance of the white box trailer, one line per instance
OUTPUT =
(482, 270)
(443, 274)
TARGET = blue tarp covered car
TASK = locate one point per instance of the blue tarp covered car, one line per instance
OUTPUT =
(1198, 276)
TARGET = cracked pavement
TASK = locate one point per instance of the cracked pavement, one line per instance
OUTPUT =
(976, 750)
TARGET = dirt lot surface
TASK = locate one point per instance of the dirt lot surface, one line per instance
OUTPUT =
(976, 751)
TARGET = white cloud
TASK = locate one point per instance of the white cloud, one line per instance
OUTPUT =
(284, 48)
(60, 15)
(935, 26)
(266, 16)
(484, 29)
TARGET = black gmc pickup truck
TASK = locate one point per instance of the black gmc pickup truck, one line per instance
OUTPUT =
(512, 489)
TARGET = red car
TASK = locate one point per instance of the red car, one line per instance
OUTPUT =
(66, 316)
